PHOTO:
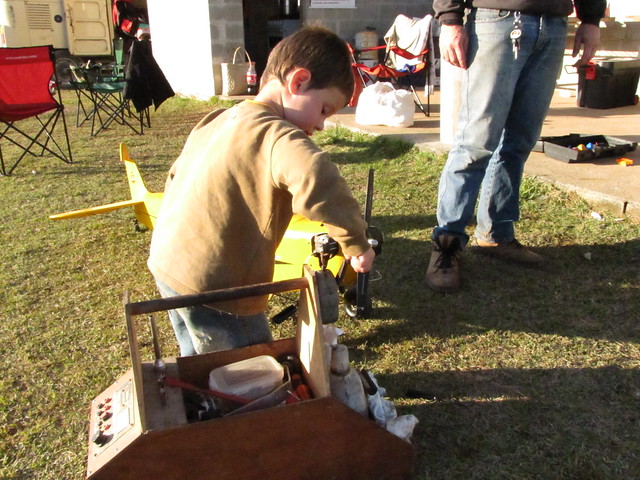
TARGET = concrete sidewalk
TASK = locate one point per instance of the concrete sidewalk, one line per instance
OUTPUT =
(604, 183)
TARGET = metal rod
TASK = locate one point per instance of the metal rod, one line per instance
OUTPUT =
(155, 338)
(362, 279)
(369, 199)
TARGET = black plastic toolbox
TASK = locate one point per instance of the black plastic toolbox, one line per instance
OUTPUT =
(566, 148)
(608, 83)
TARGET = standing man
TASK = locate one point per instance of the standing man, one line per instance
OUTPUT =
(511, 52)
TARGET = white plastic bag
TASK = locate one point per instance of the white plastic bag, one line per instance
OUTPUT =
(381, 104)
(384, 413)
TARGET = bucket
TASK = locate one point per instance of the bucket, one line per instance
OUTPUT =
(367, 39)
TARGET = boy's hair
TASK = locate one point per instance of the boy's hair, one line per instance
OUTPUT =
(318, 50)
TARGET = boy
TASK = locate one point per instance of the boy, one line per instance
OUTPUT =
(241, 175)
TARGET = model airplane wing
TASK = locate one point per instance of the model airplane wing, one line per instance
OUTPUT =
(85, 212)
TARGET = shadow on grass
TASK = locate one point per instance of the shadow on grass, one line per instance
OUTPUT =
(365, 151)
(585, 291)
(509, 423)
(90, 169)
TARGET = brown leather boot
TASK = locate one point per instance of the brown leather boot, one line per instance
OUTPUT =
(512, 251)
(443, 273)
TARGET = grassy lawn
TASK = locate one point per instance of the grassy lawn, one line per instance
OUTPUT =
(524, 374)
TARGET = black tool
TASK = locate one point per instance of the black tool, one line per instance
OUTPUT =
(363, 301)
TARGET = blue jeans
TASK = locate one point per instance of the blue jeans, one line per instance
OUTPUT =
(201, 329)
(504, 101)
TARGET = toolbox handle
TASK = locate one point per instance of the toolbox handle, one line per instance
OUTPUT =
(214, 296)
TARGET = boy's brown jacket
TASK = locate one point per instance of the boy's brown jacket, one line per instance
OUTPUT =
(229, 199)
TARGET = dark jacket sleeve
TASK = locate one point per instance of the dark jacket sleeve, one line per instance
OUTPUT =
(449, 11)
(590, 11)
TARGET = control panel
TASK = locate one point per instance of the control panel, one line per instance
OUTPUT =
(113, 415)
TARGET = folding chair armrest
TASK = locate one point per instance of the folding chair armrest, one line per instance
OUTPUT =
(369, 49)
(409, 56)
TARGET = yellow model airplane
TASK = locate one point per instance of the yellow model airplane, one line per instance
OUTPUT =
(305, 242)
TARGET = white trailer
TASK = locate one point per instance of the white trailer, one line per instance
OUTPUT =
(83, 28)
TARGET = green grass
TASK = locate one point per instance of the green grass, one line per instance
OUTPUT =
(524, 374)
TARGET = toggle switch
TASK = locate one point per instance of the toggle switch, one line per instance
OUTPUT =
(100, 438)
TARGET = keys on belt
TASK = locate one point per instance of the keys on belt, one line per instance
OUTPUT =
(516, 34)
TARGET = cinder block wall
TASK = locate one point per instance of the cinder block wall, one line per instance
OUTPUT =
(227, 33)
(227, 30)
(368, 13)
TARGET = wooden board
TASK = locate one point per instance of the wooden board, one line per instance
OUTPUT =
(311, 346)
(317, 439)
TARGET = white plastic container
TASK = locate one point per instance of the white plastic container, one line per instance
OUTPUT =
(345, 383)
(251, 378)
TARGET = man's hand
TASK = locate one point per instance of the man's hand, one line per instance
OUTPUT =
(453, 45)
(587, 37)
(362, 263)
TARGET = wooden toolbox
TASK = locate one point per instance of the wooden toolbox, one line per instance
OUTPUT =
(139, 427)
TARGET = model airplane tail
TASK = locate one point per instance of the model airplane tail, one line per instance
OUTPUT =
(136, 184)
(145, 204)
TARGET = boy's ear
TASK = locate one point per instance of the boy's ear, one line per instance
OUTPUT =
(299, 80)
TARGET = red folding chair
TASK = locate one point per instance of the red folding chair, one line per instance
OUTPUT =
(408, 55)
(27, 84)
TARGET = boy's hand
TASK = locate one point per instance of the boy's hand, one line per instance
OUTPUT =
(362, 263)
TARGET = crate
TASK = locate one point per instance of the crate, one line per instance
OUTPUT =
(608, 83)
(149, 435)
(563, 147)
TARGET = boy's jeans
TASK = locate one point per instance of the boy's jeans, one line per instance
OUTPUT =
(503, 104)
(202, 329)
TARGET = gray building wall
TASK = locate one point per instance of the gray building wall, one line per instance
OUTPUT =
(368, 13)
(227, 33)
(227, 29)
(192, 61)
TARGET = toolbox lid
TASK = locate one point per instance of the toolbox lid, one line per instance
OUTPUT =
(617, 63)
